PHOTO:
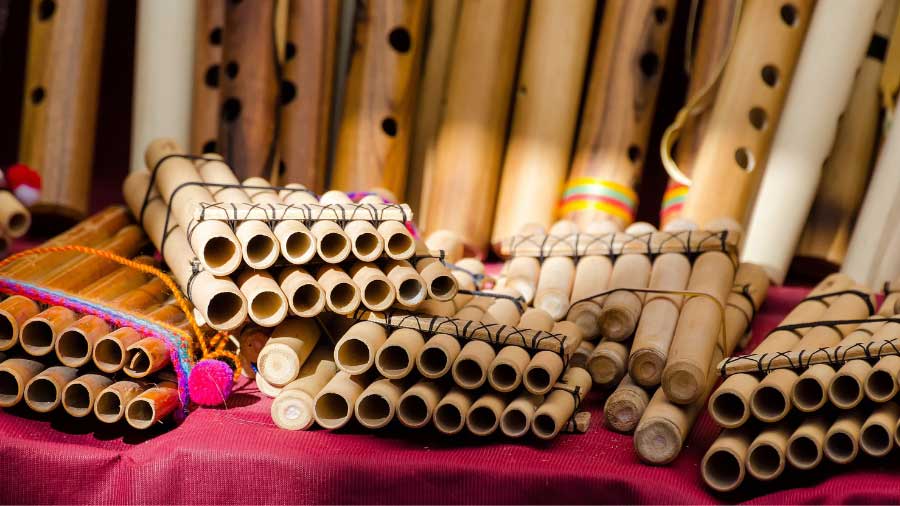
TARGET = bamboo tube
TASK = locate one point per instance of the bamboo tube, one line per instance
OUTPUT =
(621, 310)
(62, 82)
(249, 96)
(545, 367)
(470, 367)
(730, 403)
(297, 243)
(582, 355)
(365, 242)
(592, 275)
(881, 382)
(842, 438)
(212, 241)
(145, 357)
(40, 332)
(376, 290)
(766, 456)
(78, 396)
(451, 412)
(835, 46)
(293, 406)
(608, 362)
(877, 434)
(377, 404)
(309, 72)
(506, 370)
(555, 286)
(396, 358)
(81, 273)
(15, 374)
(152, 405)
(14, 218)
(380, 97)
(554, 56)
(440, 284)
(628, 61)
(43, 393)
(288, 348)
(109, 404)
(109, 353)
(146, 296)
(398, 242)
(517, 416)
(355, 351)
(75, 343)
(502, 311)
(437, 307)
(14, 312)
(483, 417)
(334, 403)
(119, 282)
(341, 294)
(480, 84)
(417, 404)
(522, 274)
(204, 119)
(805, 447)
(265, 388)
(437, 356)
(268, 305)
(560, 404)
(625, 406)
(332, 243)
(304, 295)
(447, 242)
(748, 104)
(723, 468)
(408, 283)
(656, 328)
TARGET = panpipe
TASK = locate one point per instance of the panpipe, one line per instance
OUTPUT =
(727, 168)
(470, 138)
(618, 111)
(163, 73)
(59, 112)
(555, 53)
(835, 46)
(208, 74)
(380, 97)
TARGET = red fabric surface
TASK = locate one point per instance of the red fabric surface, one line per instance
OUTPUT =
(237, 455)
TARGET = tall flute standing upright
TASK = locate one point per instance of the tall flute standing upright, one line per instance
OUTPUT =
(208, 38)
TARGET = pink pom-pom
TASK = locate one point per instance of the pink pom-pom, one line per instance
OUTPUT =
(210, 382)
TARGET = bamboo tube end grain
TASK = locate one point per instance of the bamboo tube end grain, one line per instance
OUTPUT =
(646, 366)
(657, 440)
(293, 410)
(684, 382)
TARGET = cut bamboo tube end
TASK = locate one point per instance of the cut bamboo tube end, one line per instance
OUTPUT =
(842, 439)
(646, 366)
(515, 421)
(410, 286)
(723, 467)
(559, 406)
(365, 242)
(267, 388)
(396, 358)
(447, 241)
(110, 353)
(506, 370)
(729, 404)
(259, 246)
(14, 218)
(268, 305)
(332, 243)
(15, 374)
(152, 406)
(542, 372)
(39, 333)
(284, 354)
(298, 246)
(376, 406)
(805, 447)
(145, 357)
(75, 344)
(450, 413)
(109, 406)
(304, 295)
(625, 406)
(398, 242)
(846, 389)
(341, 294)
(376, 291)
(14, 312)
(483, 417)
(810, 391)
(417, 405)
(555, 286)
(355, 351)
(766, 454)
(607, 363)
(44, 392)
(470, 367)
(877, 433)
(437, 356)
(441, 285)
(78, 396)
(881, 383)
(771, 401)
(293, 410)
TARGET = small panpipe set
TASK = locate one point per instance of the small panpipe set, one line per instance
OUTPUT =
(821, 384)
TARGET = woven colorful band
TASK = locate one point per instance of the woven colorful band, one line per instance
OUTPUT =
(587, 193)
(179, 352)
(673, 200)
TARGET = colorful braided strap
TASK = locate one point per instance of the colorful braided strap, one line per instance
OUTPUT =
(588, 193)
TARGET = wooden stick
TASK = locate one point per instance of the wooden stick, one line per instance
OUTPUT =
(79, 274)
(555, 286)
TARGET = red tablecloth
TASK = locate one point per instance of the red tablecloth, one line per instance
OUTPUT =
(237, 455)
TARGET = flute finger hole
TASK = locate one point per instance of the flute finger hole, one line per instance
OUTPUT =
(389, 126)
(375, 410)
(393, 361)
(223, 307)
(37, 95)
(769, 75)
(232, 69)
(231, 109)
(331, 410)
(433, 361)
(649, 64)
(288, 92)
(758, 118)
(660, 14)
(211, 77)
(400, 40)
(46, 9)
(503, 376)
(306, 298)
(845, 391)
(290, 50)
(789, 14)
(215, 36)
(808, 394)
(140, 414)
(744, 158)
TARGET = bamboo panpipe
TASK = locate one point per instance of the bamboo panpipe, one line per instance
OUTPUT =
(44, 392)
(119, 282)
(555, 53)
(844, 387)
(834, 47)
(479, 89)
(40, 332)
(409, 285)
(437, 356)
(877, 434)
(515, 421)
(75, 344)
(304, 295)
(747, 107)
(152, 405)
(451, 412)
(14, 312)
(555, 286)
(355, 352)
(109, 406)
(297, 243)
(512, 362)
(145, 357)
(376, 405)
(287, 350)
(380, 96)
(471, 365)
(842, 438)
(79, 395)
(398, 242)
(766, 456)
(723, 467)
(656, 328)
(440, 284)
(560, 404)
(149, 294)
(839, 197)
(592, 275)
(59, 113)
(365, 242)
(503, 311)
(14, 218)
(210, 20)
(268, 305)
(625, 406)
(620, 243)
(15, 374)
(80, 273)
(341, 294)
(437, 307)
(110, 353)
(376, 291)
(628, 62)
(250, 90)
(881, 382)
(306, 100)
(608, 362)
(293, 407)
(417, 404)
(259, 246)
(622, 310)
(396, 358)
(806, 443)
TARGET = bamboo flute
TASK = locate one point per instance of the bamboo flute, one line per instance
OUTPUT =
(119, 282)
(149, 294)
(15, 374)
(560, 404)
(805, 447)
(305, 297)
(727, 168)
(556, 47)
(267, 304)
(618, 111)
(289, 347)
(396, 358)
(376, 405)
(723, 467)
(437, 356)
(74, 277)
(625, 406)
(554, 286)
(293, 407)
(451, 412)
(472, 131)
(78, 396)
(14, 312)
(14, 218)
(355, 352)
(59, 113)
(876, 436)
(43, 393)
(152, 405)
(622, 309)
(308, 85)
(208, 37)
(109, 406)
